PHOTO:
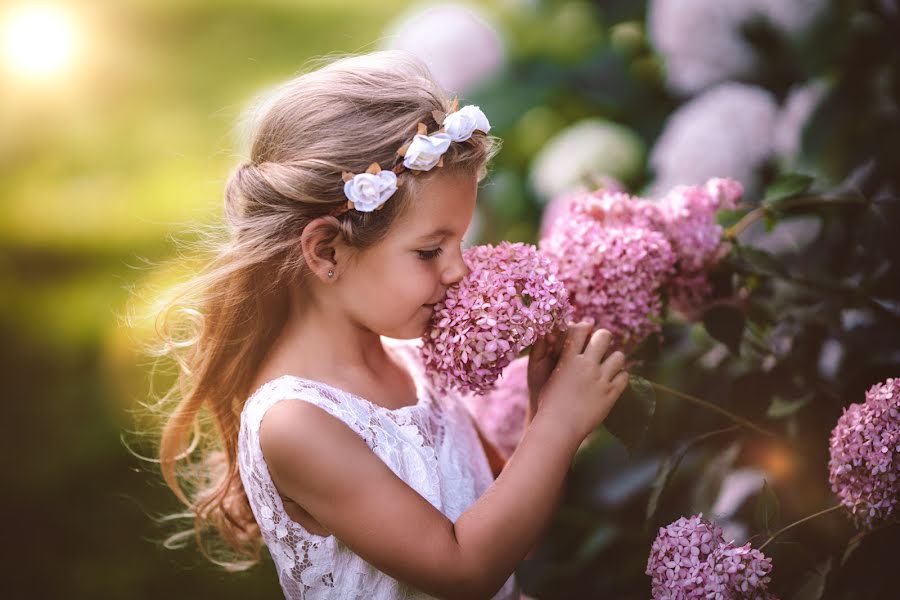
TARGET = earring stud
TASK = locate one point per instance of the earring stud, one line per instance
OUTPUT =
(330, 273)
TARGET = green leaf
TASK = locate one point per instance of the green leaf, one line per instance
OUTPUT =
(726, 217)
(785, 187)
(527, 299)
(725, 322)
(663, 475)
(853, 546)
(781, 408)
(710, 481)
(768, 509)
(761, 261)
(630, 416)
(669, 465)
(598, 540)
(813, 587)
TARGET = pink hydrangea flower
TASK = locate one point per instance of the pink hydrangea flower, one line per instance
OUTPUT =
(864, 468)
(500, 413)
(559, 205)
(510, 298)
(688, 217)
(691, 559)
(614, 260)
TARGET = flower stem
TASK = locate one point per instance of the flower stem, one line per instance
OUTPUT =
(795, 523)
(761, 211)
(710, 406)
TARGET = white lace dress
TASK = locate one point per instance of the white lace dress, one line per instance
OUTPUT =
(432, 445)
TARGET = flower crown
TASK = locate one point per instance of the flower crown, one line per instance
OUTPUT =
(369, 191)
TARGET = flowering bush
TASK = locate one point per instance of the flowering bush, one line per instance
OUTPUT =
(688, 216)
(691, 559)
(613, 262)
(620, 255)
(864, 469)
(510, 298)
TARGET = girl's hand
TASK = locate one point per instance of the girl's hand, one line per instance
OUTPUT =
(586, 382)
(541, 361)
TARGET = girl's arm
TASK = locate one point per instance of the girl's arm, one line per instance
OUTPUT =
(320, 463)
(495, 457)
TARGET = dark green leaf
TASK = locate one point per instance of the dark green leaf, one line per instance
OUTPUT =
(630, 417)
(725, 322)
(760, 261)
(527, 299)
(786, 186)
(663, 475)
(596, 542)
(813, 587)
(669, 465)
(781, 408)
(852, 546)
(710, 481)
(768, 509)
(760, 312)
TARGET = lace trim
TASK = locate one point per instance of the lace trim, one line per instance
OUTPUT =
(404, 438)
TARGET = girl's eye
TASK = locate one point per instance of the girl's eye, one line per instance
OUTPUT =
(429, 254)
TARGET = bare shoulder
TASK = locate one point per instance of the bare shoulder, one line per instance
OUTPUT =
(324, 466)
(297, 438)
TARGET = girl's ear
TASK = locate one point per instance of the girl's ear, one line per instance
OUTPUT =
(319, 242)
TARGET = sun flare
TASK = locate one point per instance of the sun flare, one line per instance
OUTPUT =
(39, 40)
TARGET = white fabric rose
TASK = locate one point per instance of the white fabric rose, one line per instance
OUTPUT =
(368, 191)
(425, 151)
(461, 124)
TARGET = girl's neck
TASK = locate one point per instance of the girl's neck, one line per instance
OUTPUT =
(324, 344)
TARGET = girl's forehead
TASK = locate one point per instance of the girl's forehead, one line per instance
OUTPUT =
(441, 206)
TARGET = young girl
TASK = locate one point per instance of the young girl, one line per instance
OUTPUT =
(328, 445)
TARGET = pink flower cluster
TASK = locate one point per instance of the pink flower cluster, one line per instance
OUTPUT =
(864, 469)
(691, 559)
(689, 220)
(613, 262)
(510, 298)
(620, 255)
(500, 413)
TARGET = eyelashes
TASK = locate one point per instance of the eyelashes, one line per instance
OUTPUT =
(430, 254)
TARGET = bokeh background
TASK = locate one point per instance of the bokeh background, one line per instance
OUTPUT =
(118, 128)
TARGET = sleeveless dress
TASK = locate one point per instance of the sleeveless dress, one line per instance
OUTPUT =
(431, 445)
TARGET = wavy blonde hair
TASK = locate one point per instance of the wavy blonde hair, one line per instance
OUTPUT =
(342, 116)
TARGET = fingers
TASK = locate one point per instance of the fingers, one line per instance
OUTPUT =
(576, 336)
(598, 345)
(557, 339)
(619, 382)
(613, 364)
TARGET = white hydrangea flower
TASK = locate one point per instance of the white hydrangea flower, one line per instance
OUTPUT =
(798, 107)
(460, 45)
(461, 124)
(425, 151)
(701, 40)
(591, 147)
(726, 131)
(368, 191)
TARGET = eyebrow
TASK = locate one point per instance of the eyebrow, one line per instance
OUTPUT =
(443, 231)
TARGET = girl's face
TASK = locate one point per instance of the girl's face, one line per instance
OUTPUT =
(393, 285)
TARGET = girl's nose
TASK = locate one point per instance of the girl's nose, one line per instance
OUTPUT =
(457, 270)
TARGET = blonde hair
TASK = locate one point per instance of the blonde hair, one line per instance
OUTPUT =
(343, 116)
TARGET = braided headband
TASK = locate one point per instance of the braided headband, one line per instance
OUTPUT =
(369, 191)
